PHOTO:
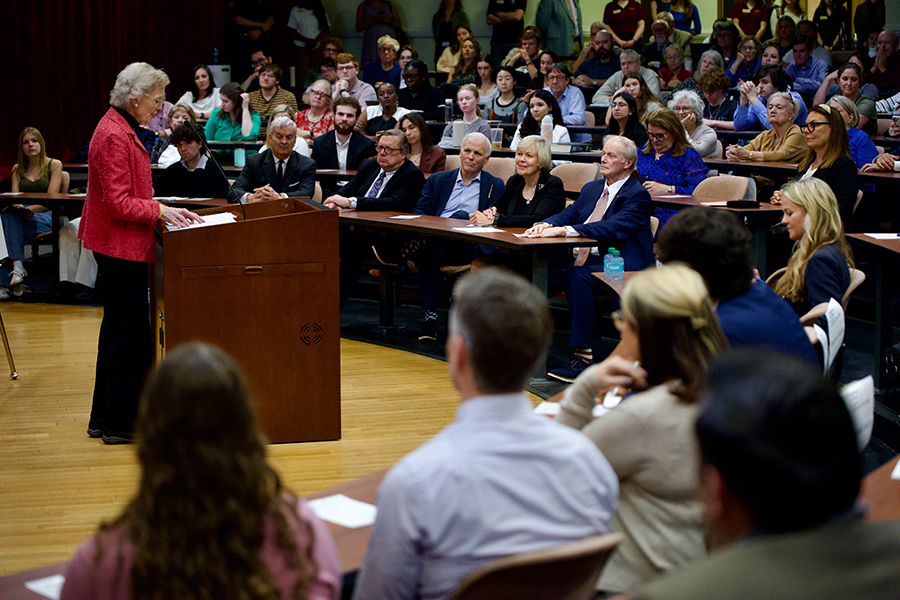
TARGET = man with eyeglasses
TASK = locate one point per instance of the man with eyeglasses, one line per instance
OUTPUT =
(806, 72)
(279, 172)
(419, 95)
(387, 182)
(257, 61)
(343, 148)
(631, 65)
(348, 85)
(885, 72)
(569, 98)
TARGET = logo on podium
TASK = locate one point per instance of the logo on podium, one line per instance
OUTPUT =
(311, 334)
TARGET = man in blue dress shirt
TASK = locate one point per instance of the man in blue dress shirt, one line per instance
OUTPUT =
(569, 98)
(500, 480)
(806, 72)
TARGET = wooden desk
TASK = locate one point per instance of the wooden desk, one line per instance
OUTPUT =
(884, 293)
(616, 285)
(351, 543)
(881, 494)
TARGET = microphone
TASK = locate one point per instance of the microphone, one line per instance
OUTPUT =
(230, 195)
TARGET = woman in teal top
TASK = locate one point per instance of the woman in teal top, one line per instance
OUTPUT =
(233, 122)
(34, 172)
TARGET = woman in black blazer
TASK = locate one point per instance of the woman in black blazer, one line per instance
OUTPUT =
(531, 195)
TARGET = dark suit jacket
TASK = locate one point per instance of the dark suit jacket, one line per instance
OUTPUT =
(299, 175)
(400, 193)
(324, 151)
(429, 101)
(625, 225)
(549, 199)
(440, 185)
(843, 179)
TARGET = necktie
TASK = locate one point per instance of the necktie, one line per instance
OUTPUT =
(373, 193)
(596, 215)
(279, 177)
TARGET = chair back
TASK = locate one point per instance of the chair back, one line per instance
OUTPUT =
(64, 183)
(654, 226)
(772, 280)
(590, 118)
(575, 176)
(883, 126)
(452, 162)
(317, 194)
(504, 168)
(720, 149)
(563, 573)
(856, 279)
(723, 187)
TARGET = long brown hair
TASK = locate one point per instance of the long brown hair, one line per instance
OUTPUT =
(838, 142)
(233, 91)
(419, 123)
(666, 119)
(647, 96)
(43, 159)
(461, 67)
(206, 492)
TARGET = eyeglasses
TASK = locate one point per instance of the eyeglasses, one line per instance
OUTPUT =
(658, 137)
(349, 67)
(157, 101)
(386, 49)
(557, 77)
(813, 125)
(319, 94)
(682, 109)
(748, 47)
(386, 149)
(259, 61)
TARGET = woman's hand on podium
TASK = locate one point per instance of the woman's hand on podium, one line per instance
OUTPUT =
(179, 217)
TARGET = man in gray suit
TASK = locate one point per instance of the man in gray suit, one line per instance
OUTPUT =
(278, 172)
(560, 24)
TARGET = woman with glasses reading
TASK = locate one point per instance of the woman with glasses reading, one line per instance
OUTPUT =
(669, 164)
(783, 143)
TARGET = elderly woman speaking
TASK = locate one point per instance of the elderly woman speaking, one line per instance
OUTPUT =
(117, 224)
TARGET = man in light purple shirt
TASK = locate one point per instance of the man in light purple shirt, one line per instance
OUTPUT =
(500, 480)
(807, 72)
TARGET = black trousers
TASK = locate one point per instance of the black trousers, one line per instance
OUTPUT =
(124, 350)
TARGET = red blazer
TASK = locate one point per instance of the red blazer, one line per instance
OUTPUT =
(119, 211)
(434, 161)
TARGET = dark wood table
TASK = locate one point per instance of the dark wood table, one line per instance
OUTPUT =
(880, 494)
(351, 543)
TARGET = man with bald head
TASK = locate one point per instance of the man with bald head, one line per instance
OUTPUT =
(885, 72)
(595, 71)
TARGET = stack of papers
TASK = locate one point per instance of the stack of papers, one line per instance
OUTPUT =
(208, 220)
(479, 229)
(344, 511)
(884, 236)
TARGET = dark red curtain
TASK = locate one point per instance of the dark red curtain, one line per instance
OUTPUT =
(61, 59)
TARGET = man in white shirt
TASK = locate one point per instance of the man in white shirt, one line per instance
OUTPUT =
(343, 148)
(279, 172)
(348, 84)
(500, 480)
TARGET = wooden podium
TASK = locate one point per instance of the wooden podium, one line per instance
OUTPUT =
(264, 289)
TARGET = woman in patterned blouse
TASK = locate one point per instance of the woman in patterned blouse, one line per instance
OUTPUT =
(668, 164)
(318, 119)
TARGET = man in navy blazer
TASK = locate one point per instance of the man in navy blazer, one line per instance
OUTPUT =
(614, 211)
(354, 147)
(279, 172)
(455, 195)
(387, 182)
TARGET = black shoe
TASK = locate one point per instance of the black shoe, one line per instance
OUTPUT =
(429, 331)
(111, 438)
(95, 428)
(570, 371)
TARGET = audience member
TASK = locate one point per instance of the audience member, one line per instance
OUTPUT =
(347, 83)
(668, 323)
(204, 478)
(419, 95)
(708, 60)
(250, 28)
(768, 422)
(830, 17)
(643, 97)
(300, 144)
(669, 164)
(862, 149)
(539, 81)
(751, 112)
(422, 151)
(258, 59)
(724, 37)
(529, 483)
(34, 172)
(189, 176)
(885, 161)
(819, 268)
(486, 79)
(163, 152)
(747, 61)
(615, 211)
(719, 110)
(385, 69)
(206, 97)
(631, 64)
(569, 98)
(771, 54)
(674, 73)
(625, 21)
(750, 17)
(446, 23)
(784, 35)
(318, 119)
(450, 55)
(528, 53)
(653, 54)
(849, 78)
(233, 121)
(869, 18)
(308, 25)
(715, 244)
(679, 37)
(374, 19)
(782, 143)
(467, 100)
(809, 29)
(594, 71)
(327, 71)
(279, 172)
(343, 148)
(685, 15)
(789, 9)
(560, 24)
(806, 72)
(688, 107)
(505, 16)
(384, 115)
(407, 53)
(625, 121)
(328, 49)
(269, 95)
(452, 194)
(506, 107)
(885, 72)
(542, 103)
(467, 66)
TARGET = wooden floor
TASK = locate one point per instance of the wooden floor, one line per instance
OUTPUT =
(56, 484)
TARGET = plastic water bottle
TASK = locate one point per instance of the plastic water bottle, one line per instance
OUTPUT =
(547, 128)
(606, 257)
(448, 110)
(215, 56)
(616, 266)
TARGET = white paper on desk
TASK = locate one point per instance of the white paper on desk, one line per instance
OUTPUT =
(674, 196)
(479, 229)
(716, 203)
(859, 397)
(49, 587)
(208, 220)
(82, 195)
(896, 472)
(12, 193)
(884, 236)
(344, 511)
(551, 409)
(404, 217)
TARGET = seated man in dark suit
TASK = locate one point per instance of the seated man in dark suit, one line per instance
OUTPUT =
(455, 195)
(190, 176)
(615, 211)
(779, 477)
(279, 172)
(342, 148)
(387, 182)
(715, 244)
(419, 94)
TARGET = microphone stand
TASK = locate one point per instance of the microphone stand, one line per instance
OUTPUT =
(230, 195)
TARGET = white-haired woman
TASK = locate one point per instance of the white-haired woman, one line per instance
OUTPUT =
(386, 69)
(783, 143)
(688, 107)
(117, 225)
